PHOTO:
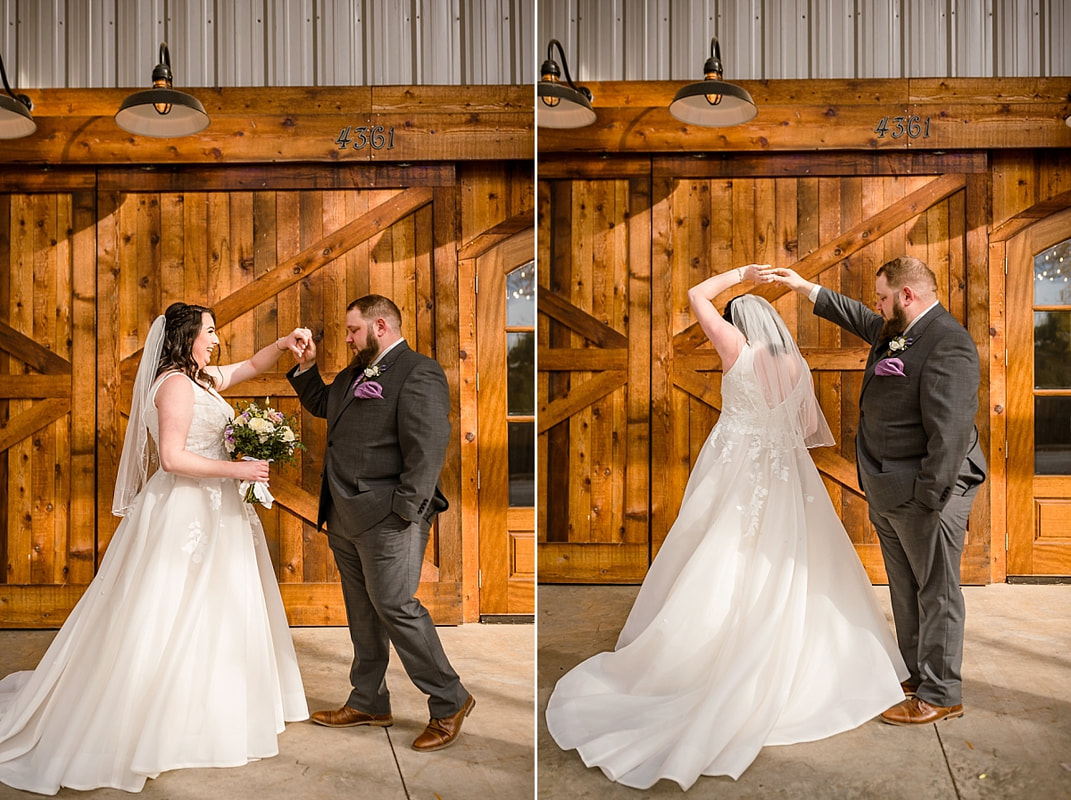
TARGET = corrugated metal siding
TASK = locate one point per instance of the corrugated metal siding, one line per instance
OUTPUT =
(670, 39)
(115, 43)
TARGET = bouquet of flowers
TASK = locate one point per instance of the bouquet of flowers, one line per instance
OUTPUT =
(262, 434)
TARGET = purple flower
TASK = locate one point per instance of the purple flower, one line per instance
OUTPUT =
(367, 389)
(890, 367)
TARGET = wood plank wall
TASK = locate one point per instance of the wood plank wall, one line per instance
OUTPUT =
(835, 217)
(89, 257)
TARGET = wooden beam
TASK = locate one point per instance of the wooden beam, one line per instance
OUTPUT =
(25, 349)
(291, 124)
(592, 562)
(273, 177)
(805, 115)
(837, 467)
(558, 308)
(292, 497)
(32, 420)
(698, 166)
(577, 359)
(34, 386)
(705, 387)
(578, 397)
(820, 359)
(1027, 217)
(498, 234)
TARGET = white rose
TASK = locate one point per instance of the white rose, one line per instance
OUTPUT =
(287, 435)
(261, 426)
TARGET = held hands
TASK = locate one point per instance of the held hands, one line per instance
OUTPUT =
(307, 357)
(752, 272)
(297, 342)
(785, 277)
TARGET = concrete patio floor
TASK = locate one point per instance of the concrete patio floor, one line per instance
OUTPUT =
(1013, 742)
(493, 758)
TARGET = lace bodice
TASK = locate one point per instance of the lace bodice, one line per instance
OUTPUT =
(211, 414)
(747, 410)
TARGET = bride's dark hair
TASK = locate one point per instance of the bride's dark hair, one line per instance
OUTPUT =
(779, 346)
(182, 325)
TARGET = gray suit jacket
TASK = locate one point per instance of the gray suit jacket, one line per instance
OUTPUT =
(383, 455)
(916, 433)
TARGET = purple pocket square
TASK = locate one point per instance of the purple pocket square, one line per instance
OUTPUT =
(890, 366)
(367, 389)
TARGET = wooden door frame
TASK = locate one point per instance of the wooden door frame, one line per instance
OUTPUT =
(1024, 557)
(493, 523)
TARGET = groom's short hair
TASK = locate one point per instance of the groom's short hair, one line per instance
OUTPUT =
(373, 306)
(908, 271)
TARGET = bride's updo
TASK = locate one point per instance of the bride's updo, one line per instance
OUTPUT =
(746, 311)
(182, 326)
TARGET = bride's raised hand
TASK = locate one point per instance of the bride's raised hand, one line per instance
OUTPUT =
(297, 342)
(752, 272)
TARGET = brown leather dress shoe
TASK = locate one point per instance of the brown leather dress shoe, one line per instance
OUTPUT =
(442, 733)
(916, 711)
(910, 689)
(347, 717)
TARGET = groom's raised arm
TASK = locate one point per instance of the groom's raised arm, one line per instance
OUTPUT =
(849, 314)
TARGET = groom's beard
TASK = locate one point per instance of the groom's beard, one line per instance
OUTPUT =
(366, 355)
(898, 323)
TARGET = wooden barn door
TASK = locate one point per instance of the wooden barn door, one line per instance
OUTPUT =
(594, 379)
(835, 230)
(47, 400)
(268, 259)
(620, 356)
(1039, 398)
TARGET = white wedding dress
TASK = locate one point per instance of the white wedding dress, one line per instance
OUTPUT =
(756, 624)
(178, 654)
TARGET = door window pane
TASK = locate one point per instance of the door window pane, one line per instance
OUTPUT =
(1052, 349)
(520, 297)
(521, 463)
(520, 373)
(1052, 276)
(1052, 435)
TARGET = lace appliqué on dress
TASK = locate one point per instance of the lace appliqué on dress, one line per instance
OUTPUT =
(196, 542)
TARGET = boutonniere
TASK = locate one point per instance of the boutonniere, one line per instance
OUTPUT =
(374, 371)
(899, 344)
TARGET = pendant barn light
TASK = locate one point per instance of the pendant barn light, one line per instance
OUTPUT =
(712, 102)
(561, 105)
(162, 111)
(16, 120)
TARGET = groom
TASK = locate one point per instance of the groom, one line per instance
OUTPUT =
(387, 432)
(919, 463)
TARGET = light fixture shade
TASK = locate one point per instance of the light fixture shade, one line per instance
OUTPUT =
(691, 105)
(138, 114)
(567, 107)
(16, 120)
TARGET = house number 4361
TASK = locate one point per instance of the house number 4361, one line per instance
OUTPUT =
(376, 137)
(913, 127)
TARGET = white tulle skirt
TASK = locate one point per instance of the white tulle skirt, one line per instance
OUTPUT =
(756, 625)
(178, 655)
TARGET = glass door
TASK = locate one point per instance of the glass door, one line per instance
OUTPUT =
(1039, 399)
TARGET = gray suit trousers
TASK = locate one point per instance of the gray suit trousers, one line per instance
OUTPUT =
(380, 571)
(922, 550)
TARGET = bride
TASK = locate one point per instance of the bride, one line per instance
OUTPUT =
(178, 654)
(756, 624)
